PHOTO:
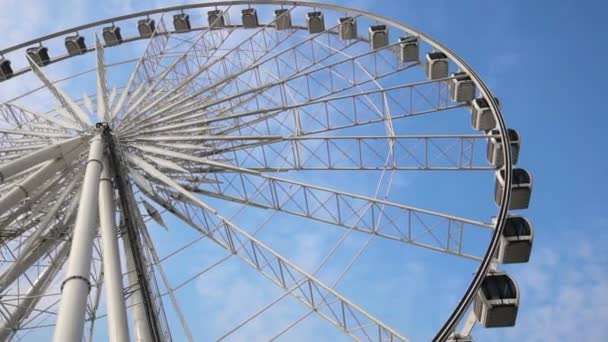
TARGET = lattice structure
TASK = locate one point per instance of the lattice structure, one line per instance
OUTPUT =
(266, 106)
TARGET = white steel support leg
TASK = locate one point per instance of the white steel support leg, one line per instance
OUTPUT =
(141, 326)
(76, 286)
(118, 328)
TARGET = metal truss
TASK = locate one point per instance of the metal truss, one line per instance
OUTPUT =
(224, 117)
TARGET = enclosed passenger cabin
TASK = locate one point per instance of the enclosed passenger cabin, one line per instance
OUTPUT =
(216, 19)
(409, 50)
(462, 88)
(146, 27)
(39, 54)
(282, 19)
(249, 17)
(494, 150)
(436, 65)
(378, 36)
(482, 117)
(111, 35)
(516, 241)
(75, 45)
(181, 22)
(315, 22)
(6, 71)
(497, 301)
(521, 188)
(348, 28)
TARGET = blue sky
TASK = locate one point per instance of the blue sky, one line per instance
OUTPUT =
(544, 60)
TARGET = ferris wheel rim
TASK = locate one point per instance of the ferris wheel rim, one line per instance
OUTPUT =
(499, 224)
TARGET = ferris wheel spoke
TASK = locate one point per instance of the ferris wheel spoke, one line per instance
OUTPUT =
(339, 113)
(205, 67)
(34, 295)
(307, 74)
(29, 133)
(20, 117)
(168, 286)
(44, 194)
(37, 247)
(241, 72)
(306, 80)
(321, 114)
(57, 150)
(415, 152)
(234, 237)
(102, 86)
(200, 53)
(279, 154)
(407, 224)
(394, 221)
(33, 181)
(143, 65)
(13, 181)
(17, 150)
(66, 102)
(42, 214)
(257, 89)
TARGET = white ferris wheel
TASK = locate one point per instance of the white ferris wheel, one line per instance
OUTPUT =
(228, 122)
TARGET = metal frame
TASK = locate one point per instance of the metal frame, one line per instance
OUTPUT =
(74, 117)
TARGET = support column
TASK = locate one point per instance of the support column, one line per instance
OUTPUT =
(118, 328)
(141, 325)
(145, 314)
(76, 286)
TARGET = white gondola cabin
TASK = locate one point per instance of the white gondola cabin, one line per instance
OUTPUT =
(181, 22)
(6, 71)
(216, 19)
(409, 49)
(497, 301)
(378, 36)
(75, 45)
(39, 54)
(348, 28)
(516, 241)
(494, 151)
(111, 35)
(462, 88)
(521, 188)
(315, 22)
(146, 27)
(482, 118)
(249, 17)
(282, 19)
(436, 65)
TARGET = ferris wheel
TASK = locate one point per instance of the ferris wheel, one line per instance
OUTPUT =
(141, 136)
